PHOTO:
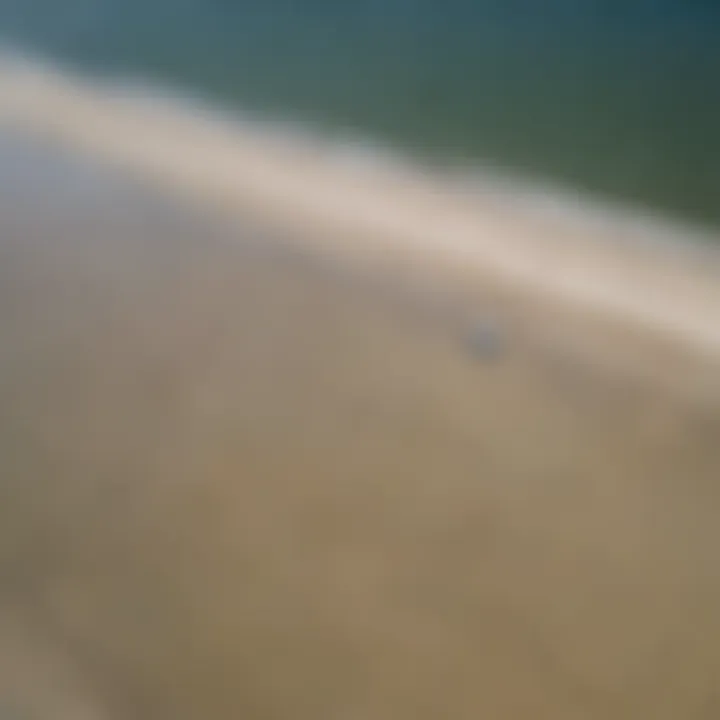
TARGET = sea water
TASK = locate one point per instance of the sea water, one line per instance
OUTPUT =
(620, 100)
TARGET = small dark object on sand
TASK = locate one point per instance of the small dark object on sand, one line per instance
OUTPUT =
(486, 341)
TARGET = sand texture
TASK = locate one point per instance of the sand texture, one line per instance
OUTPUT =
(240, 480)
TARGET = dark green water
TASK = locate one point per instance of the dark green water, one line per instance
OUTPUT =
(618, 98)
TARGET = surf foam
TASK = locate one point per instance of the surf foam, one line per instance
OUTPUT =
(365, 202)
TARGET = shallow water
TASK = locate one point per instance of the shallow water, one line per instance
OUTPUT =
(620, 99)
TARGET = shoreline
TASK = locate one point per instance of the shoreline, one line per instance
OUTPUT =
(388, 216)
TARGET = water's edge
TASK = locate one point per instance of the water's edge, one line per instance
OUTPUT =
(361, 202)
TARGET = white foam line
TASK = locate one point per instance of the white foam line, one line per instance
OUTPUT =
(395, 209)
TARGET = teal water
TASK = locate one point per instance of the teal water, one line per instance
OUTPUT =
(621, 99)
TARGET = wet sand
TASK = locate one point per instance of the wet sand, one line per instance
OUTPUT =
(242, 480)
(372, 207)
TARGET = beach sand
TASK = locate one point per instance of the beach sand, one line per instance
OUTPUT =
(242, 478)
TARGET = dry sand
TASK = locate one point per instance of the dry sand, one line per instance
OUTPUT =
(241, 480)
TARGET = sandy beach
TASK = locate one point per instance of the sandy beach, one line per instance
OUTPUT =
(244, 476)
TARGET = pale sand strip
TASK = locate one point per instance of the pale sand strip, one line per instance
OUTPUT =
(389, 215)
